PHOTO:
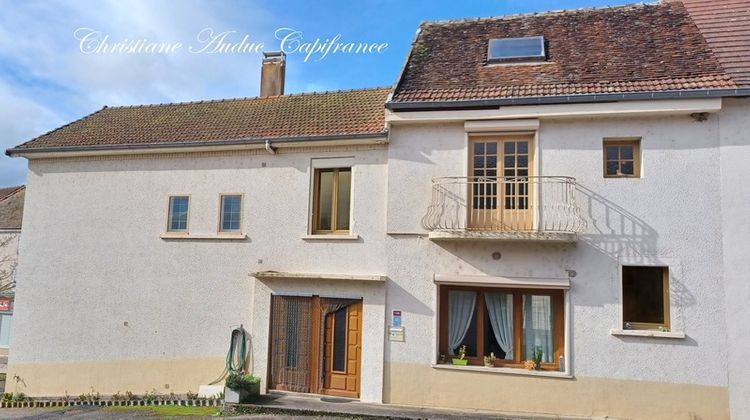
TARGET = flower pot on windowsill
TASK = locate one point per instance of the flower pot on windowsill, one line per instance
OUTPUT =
(461, 362)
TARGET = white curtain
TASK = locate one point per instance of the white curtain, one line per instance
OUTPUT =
(460, 312)
(537, 326)
(500, 310)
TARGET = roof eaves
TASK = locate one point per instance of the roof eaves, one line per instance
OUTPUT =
(14, 152)
(565, 99)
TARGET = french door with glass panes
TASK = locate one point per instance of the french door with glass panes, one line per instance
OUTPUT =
(500, 194)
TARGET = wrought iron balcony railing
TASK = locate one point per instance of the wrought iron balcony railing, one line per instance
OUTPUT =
(529, 207)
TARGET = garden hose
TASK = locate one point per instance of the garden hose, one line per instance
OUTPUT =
(237, 354)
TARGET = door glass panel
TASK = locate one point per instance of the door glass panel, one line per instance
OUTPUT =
(339, 340)
(342, 204)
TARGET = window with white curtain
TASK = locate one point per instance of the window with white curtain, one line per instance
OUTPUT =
(514, 324)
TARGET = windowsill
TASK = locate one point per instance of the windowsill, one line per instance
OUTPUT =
(331, 237)
(647, 333)
(216, 237)
(506, 371)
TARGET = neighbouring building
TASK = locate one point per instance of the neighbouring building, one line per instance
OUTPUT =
(11, 216)
(562, 190)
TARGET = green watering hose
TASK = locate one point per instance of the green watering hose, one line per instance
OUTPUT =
(237, 354)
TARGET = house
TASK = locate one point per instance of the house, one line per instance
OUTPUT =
(11, 216)
(561, 190)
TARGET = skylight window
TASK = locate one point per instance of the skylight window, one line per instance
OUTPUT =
(530, 48)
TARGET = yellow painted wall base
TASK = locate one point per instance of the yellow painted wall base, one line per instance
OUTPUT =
(109, 377)
(422, 385)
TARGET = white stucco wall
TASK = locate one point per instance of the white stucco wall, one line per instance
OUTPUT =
(669, 216)
(734, 124)
(94, 258)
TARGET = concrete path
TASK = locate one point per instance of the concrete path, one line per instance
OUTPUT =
(304, 404)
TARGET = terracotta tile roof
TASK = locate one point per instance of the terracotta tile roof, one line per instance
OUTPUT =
(339, 113)
(637, 48)
(11, 207)
(725, 24)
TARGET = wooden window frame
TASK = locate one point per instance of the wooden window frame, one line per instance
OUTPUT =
(220, 227)
(169, 214)
(635, 142)
(665, 296)
(334, 202)
(558, 323)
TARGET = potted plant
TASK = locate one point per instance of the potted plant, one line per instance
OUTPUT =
(536, 362)
(241, 388)
(489, 361)
(461, 360)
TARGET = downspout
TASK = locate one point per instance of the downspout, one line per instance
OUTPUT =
(270, 149)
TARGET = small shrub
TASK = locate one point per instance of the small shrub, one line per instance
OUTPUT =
(21, 396)
(240, 381)
(129, 396)
(7, 397)
(150, 397)
(192, 395)
(117, 396)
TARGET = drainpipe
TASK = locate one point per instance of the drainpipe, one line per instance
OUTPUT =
(270, 149)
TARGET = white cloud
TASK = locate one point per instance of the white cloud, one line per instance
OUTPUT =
(45, 81)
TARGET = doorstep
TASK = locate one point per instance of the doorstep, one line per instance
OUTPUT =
(277, 402)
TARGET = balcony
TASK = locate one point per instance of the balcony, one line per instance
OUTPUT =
(532, 208)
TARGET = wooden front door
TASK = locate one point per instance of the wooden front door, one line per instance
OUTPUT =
(342, 351)
(500, 196)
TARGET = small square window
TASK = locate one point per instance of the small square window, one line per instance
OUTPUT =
(645, 297)
(622, 158)
(231, 213)
(179, 207)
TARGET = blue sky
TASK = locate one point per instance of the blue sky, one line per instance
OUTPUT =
(46, 81)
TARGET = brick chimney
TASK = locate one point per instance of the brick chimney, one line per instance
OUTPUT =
(272, 74)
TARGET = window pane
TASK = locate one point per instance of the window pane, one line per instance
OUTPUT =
(178, 213)
(510, 147)
(462, 328)
(613, 153)
(491, 148)
(343, 201)
(498, 325)
(526, 47)
(339, 340)
(612, 168)
(478, 148)
(230, 212)
(325, 199)
(537, 327)
(643, 294)
(626, 152)
(626, 168)
(4, 330)
(523, 147)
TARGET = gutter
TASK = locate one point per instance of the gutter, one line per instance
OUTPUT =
(565, 99)
(250, 141)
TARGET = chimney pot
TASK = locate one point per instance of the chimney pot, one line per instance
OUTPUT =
(272, 74)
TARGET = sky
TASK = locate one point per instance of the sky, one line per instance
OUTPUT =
(51, 73)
